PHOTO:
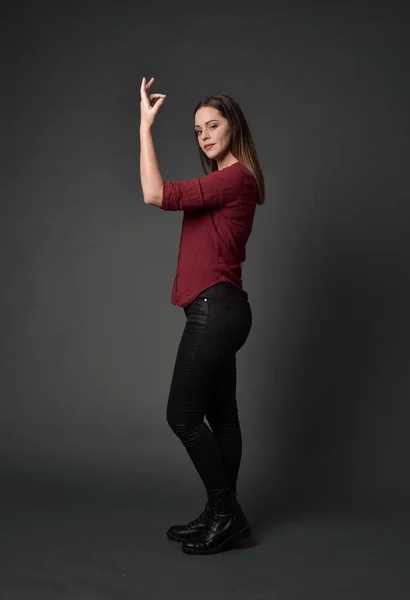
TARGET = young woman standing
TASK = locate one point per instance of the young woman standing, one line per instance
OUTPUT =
(219, 210)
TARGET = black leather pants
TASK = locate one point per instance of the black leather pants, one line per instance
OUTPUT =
(204, 385)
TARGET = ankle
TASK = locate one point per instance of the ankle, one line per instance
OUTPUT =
(223, 501)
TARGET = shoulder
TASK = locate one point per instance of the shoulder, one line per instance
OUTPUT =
(236, 173)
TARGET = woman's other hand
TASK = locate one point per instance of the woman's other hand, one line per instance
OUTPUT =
(149, 104)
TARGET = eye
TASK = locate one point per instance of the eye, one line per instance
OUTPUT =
(210, 127)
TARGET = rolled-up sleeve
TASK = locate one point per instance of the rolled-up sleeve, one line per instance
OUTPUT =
(210, 191)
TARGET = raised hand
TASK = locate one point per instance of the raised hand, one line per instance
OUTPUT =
(149, 104)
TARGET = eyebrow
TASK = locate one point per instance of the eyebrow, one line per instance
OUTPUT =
(208, 122)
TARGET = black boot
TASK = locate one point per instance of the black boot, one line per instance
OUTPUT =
(226, 527)
(180, 533)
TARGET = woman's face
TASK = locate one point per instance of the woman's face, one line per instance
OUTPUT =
(212, 128)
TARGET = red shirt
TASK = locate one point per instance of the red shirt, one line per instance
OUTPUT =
(219, 209)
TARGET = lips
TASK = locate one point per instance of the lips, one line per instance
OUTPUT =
(208, 146)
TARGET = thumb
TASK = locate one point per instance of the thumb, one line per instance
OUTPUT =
(154, 109)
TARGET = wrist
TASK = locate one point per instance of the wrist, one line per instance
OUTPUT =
(145, 127)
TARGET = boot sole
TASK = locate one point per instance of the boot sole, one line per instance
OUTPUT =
(174, 538)
(240, 539)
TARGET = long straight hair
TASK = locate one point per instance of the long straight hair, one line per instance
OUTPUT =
(241, 142)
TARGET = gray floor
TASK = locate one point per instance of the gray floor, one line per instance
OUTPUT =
(94, 551)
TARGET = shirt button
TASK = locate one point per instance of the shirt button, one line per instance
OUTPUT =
(205, 299)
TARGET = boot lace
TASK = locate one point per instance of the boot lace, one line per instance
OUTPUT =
(200, 518)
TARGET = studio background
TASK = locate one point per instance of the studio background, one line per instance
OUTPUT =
(89, 336)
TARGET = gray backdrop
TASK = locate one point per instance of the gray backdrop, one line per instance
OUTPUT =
(88, 334)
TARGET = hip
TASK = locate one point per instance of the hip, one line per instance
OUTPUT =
(221, 311)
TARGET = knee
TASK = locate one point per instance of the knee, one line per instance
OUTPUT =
(182, 423)
(177, 422)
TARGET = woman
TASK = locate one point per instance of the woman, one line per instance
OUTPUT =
(218, 216)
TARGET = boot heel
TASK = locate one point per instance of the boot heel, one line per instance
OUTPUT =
(242, 539)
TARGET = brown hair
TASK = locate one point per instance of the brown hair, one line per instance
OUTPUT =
(241, 142)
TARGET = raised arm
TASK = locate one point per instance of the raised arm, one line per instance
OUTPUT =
(151, 179)
(210, 191)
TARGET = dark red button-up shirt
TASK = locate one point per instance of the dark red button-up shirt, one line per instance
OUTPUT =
(219, 210)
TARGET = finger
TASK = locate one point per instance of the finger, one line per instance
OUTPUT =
(152, 96)
(158, 104)
(144, 85)
(142, 90)
(144, 99)
(144, 96)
